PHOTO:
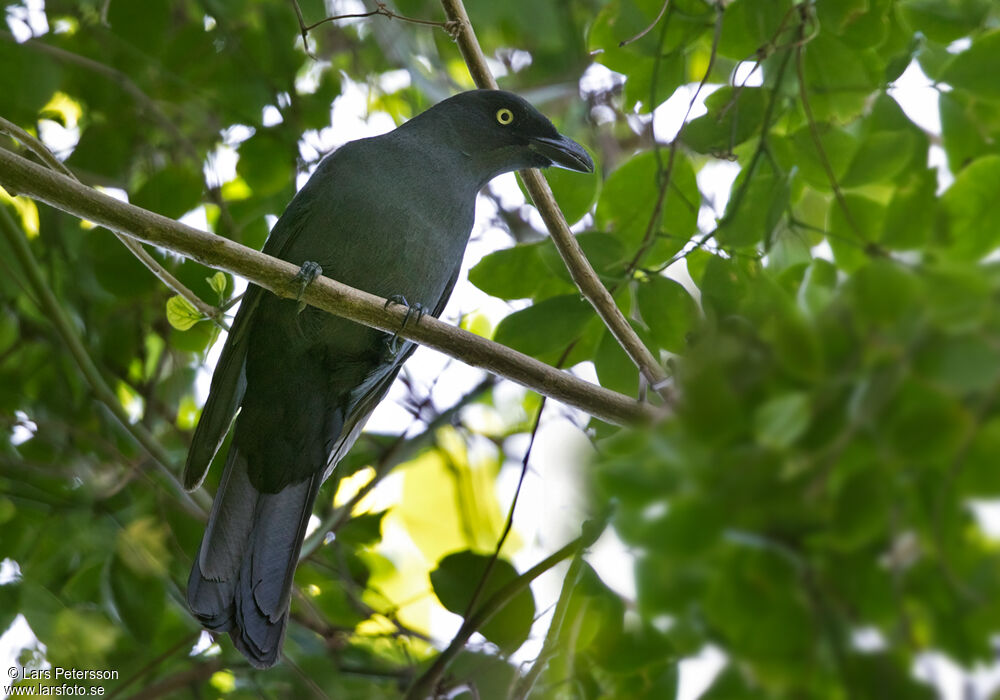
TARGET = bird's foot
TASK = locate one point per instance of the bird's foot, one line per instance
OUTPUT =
(304, 277)
(393, 343)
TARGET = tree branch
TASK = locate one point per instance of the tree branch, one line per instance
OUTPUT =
(580, 271)
(151, 263)
(21, 176)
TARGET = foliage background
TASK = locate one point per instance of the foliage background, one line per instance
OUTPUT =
(812, 509)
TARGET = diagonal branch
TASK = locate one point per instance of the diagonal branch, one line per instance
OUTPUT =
(579, 267)
(151, 263)
(423, 687)
(21, 176)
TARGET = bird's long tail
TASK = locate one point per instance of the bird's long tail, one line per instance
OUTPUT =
(242, 577)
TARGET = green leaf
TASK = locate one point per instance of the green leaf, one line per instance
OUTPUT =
(138, 600)
(628, 206)
(757, 606)
(961, 298)
(651, 82)
(455, 581)
(748, 26)
(945, 21)
(546, 327)
(883, 292)
(910, 214)
(971, 213)
(181, 314)
(979, 476)
(218, 283)
(862, 508)
(976, 69)
(104, 150)
(615, 370)
(511, 273)
(27, 81)
(798, 152)
(621, 20)
(755, 208)
(734, 115)
(574, 192)
(723, 285)
(267, 163)
(172, 191)
(963, 363)
(782, 420)
(114, 266)
(854, 224)
(858, 23)
(969, 127)
(362, 530)
(880, 156)
(925, 423)
(839, 78)
(817, 285)
(605, 253)
(669, 312)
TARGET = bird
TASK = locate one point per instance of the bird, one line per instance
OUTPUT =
(390, 215)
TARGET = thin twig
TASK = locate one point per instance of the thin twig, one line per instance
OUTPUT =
(187, 641)
(526, 682)
(644, 32)
(665, 177)
(380, 9)
(817, 141)
(424, 686)
(481, 584)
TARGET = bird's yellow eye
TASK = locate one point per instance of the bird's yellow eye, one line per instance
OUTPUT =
(505, 116)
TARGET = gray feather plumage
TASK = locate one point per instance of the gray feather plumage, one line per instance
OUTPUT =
(390, 215)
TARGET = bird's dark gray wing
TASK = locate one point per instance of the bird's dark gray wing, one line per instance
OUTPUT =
(229, 379)
(365, 401)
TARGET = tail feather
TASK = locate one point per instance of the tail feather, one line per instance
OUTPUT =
(242, 578)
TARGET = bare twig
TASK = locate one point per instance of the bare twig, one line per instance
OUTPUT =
(665, 177)
(474, 600)
(380, 9)
(25, 177)
(871, 248)
(186, 641)
(423, 687)
(644, 32)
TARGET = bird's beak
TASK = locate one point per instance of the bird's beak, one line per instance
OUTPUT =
(564, 152)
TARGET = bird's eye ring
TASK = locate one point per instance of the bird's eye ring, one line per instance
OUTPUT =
(505, 116)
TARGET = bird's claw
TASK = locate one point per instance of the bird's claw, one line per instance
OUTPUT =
(393, 342)
(304, 277)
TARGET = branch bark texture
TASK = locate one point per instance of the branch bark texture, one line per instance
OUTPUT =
(20, 176)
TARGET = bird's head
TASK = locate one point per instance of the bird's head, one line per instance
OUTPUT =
(500, 131)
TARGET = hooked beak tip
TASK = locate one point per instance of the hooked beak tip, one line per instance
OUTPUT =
(563, 152)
